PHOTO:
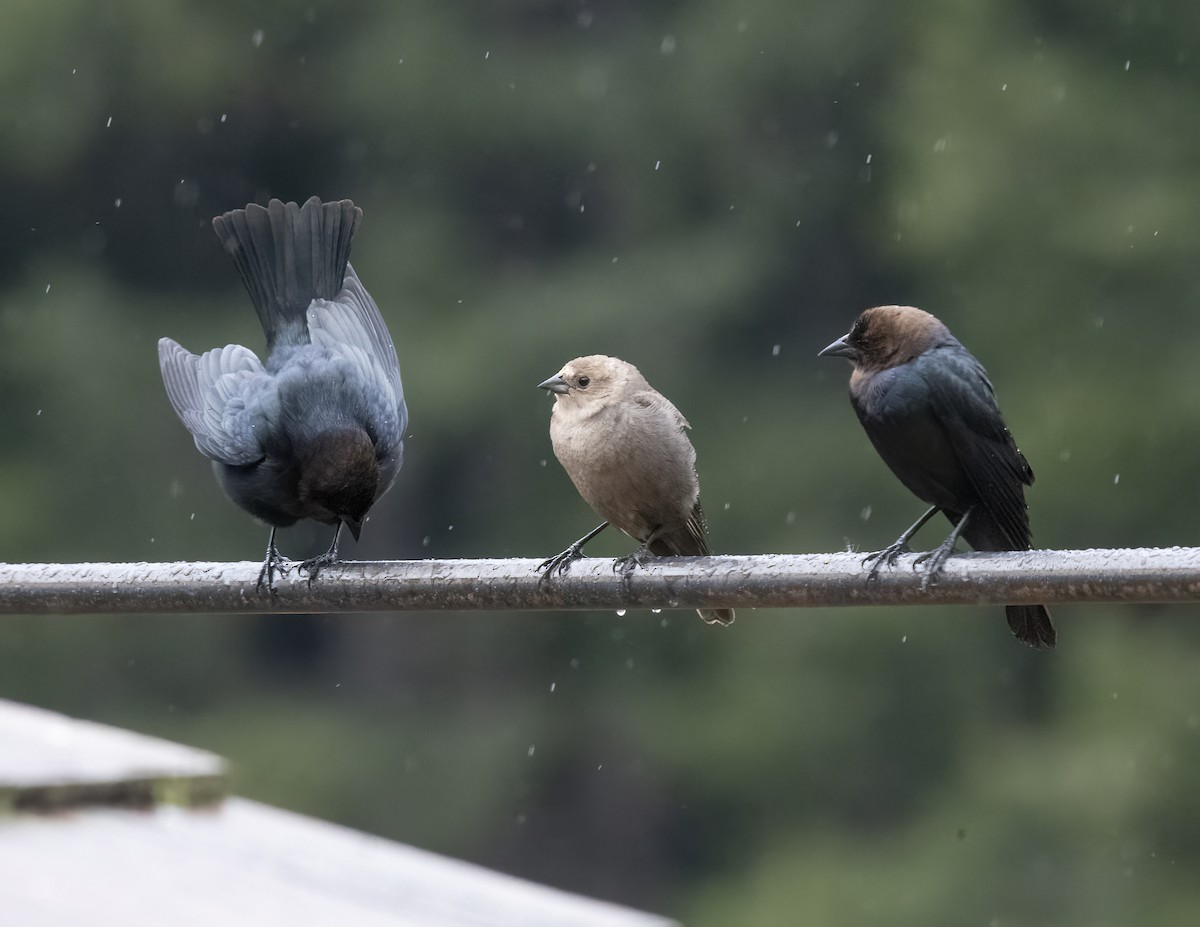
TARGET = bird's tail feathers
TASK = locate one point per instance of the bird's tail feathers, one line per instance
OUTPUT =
(289, 255)
(721, 616)
(1031, 625)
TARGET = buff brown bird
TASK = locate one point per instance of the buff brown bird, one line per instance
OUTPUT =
(624, 446)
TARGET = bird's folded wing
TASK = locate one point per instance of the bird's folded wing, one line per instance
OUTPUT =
(963, 399)
(209, 393)
(697, 527)
(655, 403)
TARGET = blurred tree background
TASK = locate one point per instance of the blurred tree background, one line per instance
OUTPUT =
(713, 191)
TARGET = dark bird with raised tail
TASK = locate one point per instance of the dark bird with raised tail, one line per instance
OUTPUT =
(624, 446)
(928, 407)
(318, 430)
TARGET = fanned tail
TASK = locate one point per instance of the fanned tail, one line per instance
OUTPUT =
(289, 255)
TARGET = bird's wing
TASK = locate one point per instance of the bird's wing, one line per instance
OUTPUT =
(963, 399)
(697, 527)
(352, 324)
(692, 538)
(218, 395)
(655, 403)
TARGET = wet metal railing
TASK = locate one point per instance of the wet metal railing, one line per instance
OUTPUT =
(1161, 575)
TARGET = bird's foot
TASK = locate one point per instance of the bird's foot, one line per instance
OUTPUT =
(630, 562)
(314, 565)
(274, 563)
(560, 563)
(935, 560)
(886, 557)
(627, 564)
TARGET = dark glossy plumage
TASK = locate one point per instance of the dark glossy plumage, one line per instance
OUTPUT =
(317, 431)
(930, 411)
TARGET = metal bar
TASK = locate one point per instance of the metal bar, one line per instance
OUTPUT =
(1161, 575)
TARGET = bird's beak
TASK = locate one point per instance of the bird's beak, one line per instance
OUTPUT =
(839, 348)
(354, 524)
(556, 384)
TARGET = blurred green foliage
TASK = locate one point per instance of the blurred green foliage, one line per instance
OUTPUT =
(711, 191)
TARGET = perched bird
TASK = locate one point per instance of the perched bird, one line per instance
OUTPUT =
(623, 445)
(317, 431)
(928, 407)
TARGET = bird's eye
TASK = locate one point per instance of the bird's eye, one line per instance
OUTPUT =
(584, 381)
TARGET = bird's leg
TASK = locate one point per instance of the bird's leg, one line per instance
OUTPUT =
(274, 561)
(900, 546)
(938, 556)
(314, 565)
(560, 563)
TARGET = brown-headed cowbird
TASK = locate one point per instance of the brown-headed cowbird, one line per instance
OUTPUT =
(317, 431)
(928, 407)
(623, 445)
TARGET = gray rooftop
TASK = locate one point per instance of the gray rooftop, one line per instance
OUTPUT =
(101, 826)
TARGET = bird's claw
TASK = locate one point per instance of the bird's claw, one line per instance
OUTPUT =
(314, 565)
(886, 557)
(936, 559)
(625, 565)
(274, 563)
(559, 563)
